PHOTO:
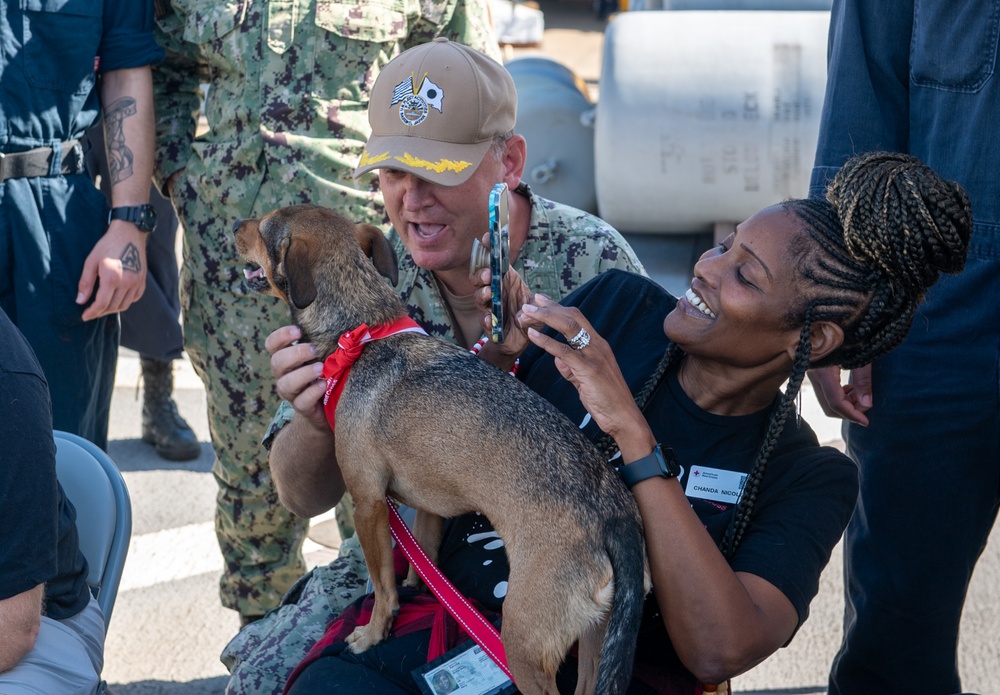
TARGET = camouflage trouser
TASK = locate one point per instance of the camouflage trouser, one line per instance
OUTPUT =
(345, 516)
(262, 655)
(224, 332)
(260, 540)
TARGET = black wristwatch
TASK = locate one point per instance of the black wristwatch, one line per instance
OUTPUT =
(142, 216)
(661, 462)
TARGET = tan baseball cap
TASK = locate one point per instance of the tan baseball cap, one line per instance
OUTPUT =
(435, 110)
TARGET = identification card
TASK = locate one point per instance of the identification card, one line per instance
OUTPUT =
(465, 670)
(715, 484)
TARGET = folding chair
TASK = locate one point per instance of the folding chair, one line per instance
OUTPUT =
(96, 488)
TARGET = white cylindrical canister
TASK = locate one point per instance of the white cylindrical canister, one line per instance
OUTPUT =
(706, 117)
(746, 4)
(555, 116)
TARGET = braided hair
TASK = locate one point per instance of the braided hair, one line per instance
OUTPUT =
(888, 228)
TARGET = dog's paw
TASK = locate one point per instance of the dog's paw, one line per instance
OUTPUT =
(413, 581)
(417, 584)
(364, 637)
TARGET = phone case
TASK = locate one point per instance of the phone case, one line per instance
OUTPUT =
(499, 253)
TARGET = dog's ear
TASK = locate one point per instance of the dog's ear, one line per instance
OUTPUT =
(298, 273)
(377, 247)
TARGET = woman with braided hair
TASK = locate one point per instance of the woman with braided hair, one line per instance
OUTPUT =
(802, 284)
(741, 505)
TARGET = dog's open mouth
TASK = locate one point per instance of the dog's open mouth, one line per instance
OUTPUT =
(255, 278)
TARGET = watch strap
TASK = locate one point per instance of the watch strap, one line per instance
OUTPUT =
(661, 463)
(142, 216)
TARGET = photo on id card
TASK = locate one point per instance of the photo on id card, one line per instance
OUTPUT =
(465, 670)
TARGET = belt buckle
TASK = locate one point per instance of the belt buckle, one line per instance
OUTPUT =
(3, 167)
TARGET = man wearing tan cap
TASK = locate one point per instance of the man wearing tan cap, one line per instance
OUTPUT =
(442, 118)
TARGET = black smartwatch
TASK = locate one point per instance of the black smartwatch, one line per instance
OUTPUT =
(142, 216)
(661, 462)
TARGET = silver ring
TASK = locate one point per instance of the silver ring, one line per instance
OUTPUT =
(580, 340)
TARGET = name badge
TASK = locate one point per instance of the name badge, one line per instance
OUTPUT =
(715, 484)
(465, 670)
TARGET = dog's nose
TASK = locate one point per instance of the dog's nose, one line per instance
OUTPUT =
(236, 225)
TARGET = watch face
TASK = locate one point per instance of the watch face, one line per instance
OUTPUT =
(147, 218)
(142, 216)
(672, 466)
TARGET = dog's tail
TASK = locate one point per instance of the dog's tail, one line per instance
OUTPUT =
(626, 549)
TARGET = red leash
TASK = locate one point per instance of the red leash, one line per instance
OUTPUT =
(336, 368)
(482, 631)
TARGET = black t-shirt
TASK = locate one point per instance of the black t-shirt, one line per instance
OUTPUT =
(806, 497)
(38, 539)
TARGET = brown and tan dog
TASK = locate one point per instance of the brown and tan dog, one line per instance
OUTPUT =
(446, 433)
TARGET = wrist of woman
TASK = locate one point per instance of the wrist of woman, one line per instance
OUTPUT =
(634, 441)
(634, 452)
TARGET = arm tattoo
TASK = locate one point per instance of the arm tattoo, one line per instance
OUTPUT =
(119, 156)
(130, 259)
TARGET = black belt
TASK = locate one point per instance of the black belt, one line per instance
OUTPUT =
(37, 162)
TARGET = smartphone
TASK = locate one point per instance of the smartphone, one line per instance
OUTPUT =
(499, 255)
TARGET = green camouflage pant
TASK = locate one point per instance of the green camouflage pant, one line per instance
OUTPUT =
(262, 655)
(260, 540)
(224, 331)
(345, 516)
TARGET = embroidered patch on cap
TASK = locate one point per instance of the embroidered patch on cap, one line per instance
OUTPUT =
(410, 129)
(415, 101)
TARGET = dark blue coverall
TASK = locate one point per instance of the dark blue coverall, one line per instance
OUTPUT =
(51, 52)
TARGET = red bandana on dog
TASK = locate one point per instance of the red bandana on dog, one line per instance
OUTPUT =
(338, 365)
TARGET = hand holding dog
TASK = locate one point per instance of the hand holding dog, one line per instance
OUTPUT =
(298, 374)
(303, 456)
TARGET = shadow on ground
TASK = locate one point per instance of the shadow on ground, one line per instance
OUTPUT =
(136, 455)
(205, 686)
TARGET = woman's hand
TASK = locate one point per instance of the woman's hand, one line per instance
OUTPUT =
(593, 370)
(298, 374)
(848, 401)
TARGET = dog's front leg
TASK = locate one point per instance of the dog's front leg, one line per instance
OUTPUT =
(427, 530)
(371, 521)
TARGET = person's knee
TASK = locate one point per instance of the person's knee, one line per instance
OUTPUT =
(63, 660)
